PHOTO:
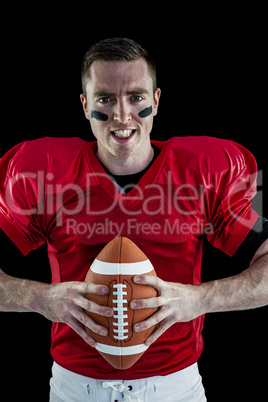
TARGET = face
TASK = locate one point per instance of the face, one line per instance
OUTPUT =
(120, 105)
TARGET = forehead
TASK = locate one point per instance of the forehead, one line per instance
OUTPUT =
(119, 77)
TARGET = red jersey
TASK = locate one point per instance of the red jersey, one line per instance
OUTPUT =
(55, 190)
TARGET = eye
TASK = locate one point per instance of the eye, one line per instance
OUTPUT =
(137, 98)
(104, 99)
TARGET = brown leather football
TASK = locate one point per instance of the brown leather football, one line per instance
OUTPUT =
(115, 267)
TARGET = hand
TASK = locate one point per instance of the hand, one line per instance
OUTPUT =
(66, 302)
(176, 302)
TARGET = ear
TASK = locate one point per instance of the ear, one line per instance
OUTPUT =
(85, 105)
(156, 100)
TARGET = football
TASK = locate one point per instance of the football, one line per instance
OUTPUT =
(115, 266)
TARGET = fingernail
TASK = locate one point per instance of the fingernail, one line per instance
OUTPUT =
(133, 304)
(105, 291)
(93, 344)
(137, 328)
(137, 278)
(103, 332)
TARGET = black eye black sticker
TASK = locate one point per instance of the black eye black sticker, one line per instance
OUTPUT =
(104, 117)
(146, 112)
(99, 115)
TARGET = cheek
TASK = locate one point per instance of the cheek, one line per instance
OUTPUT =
(99, 115)
(146, 124)
(145, 112)
(145, 118)
(97, 128)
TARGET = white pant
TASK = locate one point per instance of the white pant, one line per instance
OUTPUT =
(183, 386)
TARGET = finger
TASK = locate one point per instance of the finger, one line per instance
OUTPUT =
(148, 303)
(85, 288)
(155, 319)
(93, 307)
(159, 331)
(80, 330)
(151, 280)
(84, 319)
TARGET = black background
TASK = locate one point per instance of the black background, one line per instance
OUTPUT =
(211, 70)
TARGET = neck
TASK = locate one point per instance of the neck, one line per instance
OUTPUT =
(126, 166)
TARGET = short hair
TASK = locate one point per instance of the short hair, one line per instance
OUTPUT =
(116, 49)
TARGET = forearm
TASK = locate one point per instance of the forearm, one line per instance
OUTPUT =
(181, 303)
(246, 290)
(60, 302)
(19, 295)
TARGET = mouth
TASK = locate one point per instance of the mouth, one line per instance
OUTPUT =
(123, 135)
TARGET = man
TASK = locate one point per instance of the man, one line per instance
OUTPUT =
(165, 196)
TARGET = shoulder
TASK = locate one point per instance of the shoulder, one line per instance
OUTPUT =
(37, 154)
(210, 153)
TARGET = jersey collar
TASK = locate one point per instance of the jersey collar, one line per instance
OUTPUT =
(149, 177)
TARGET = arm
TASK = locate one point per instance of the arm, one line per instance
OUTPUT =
(247, 290)
(181, 303)
(63, 302)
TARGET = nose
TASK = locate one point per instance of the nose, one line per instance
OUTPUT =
(122, 112)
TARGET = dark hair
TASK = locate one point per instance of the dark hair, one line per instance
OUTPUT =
(116, 49)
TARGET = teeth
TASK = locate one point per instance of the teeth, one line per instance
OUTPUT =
(123, 133)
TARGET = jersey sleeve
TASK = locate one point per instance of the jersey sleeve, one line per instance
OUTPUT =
(228, 196)
(19, 197)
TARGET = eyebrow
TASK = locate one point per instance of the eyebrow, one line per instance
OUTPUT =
(136, 91)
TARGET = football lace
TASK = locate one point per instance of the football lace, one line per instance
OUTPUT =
(119, 309)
